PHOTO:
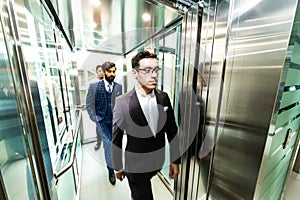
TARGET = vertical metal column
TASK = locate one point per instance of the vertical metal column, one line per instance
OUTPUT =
(191, 52)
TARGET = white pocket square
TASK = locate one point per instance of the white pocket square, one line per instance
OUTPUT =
(166, 108)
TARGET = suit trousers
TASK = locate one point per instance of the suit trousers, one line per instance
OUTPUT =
(98, 136)
(105, 130)
(140, 185)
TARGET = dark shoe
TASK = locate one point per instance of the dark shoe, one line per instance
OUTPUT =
(97, 146)
(112, 178)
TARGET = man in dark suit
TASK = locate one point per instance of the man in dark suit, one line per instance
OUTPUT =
(99, 104)
(146, 115)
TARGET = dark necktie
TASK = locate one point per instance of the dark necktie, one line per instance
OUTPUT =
(109, 88)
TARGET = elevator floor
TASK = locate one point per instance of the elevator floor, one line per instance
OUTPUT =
(94, 182)
(292, 188)
(94, 179)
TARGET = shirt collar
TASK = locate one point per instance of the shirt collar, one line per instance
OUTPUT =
(106, 83)
(142, 94)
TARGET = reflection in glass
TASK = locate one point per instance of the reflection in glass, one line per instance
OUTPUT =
(31, 52)
(14, 161)
(167, 54)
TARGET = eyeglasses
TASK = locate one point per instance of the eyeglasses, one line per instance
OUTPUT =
(148, 70)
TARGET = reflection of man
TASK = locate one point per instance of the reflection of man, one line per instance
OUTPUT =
(99, 104)
(100, 76)
(5, 91)
(55, 102)
(145, 114)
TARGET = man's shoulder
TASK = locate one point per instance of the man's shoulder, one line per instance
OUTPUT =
(94, 83)
(127, 95)
(159, 92)
(117, 84)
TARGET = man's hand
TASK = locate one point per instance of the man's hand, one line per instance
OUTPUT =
(120, 175)
(174, 170)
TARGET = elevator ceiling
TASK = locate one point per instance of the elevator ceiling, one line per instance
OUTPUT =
(113, 26)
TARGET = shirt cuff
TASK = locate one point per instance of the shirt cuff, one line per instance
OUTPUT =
(118, 171)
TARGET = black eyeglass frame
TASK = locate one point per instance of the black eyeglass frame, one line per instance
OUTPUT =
(149, 70)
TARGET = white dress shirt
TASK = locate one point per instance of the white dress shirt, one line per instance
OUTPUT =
(106, 84)
(149, 107)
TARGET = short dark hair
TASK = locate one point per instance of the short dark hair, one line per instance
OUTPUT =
(107, 65)
(98, 66)
(141, 55)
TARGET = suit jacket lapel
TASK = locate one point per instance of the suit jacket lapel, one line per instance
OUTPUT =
(101, 90)
(135, 110)
(162, 115)
(116, 90)
(159, 98)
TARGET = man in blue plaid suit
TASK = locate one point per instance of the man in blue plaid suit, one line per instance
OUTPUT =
(100, 101)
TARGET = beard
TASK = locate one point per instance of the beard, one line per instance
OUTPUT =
(109, 79)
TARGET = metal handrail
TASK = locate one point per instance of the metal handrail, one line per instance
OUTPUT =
(72, 158)
(165, 182)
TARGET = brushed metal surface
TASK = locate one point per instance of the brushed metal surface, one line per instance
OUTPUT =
(257, 44)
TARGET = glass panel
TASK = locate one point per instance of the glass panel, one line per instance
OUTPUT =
(55, 73)
(167, 80)
(68, 75)
(14, 162)
(33, 25)
(167, 54)
(52, 77)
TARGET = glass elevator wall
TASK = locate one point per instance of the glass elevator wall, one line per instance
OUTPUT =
(39, 136)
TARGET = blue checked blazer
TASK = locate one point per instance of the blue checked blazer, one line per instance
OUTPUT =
(97, 91)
